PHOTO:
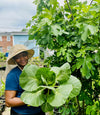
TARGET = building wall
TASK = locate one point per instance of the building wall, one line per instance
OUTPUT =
(6, 44)
(17, 38)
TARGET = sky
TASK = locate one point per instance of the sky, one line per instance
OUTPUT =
(14, 14)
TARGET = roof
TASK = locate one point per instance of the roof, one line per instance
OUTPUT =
(13, 33)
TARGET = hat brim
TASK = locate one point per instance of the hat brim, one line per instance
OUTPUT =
(12, 61)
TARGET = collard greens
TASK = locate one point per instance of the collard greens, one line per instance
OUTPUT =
(48, 87)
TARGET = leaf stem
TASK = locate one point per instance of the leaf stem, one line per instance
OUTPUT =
(70, 9)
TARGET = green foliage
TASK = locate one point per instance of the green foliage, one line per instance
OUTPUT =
(48, 87)
(73, 32)
(66, 109)
(41, 54)
(2, 56)
(94, 109)
(37, 61)
(2, 88)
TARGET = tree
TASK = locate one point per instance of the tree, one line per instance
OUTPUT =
(73, 32)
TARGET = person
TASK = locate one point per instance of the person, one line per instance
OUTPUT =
(18, 55)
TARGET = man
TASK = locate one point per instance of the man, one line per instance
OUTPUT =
(18, 56)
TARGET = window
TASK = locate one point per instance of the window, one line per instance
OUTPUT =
(8, 47)
(8, 38)
(0, 38)
(1, 49)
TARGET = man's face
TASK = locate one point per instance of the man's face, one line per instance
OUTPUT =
(21, 59)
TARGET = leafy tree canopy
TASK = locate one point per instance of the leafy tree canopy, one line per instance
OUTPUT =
(73, 32)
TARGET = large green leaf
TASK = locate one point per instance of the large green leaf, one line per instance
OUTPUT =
(60, 96)
(28, 79)
(33, 98)
(56, 29)
(44, 21)
(64, 73)
(92, 29)
(55, 69)
(88, 29)
(85, 34)
(76, 84)
(85, 70)
(97, 57)
(46, 107)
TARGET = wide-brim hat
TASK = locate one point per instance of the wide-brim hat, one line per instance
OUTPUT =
(15, 50)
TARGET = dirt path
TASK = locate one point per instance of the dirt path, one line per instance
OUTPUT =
(7, 111)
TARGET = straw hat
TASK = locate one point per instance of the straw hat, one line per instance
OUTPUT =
(15, 50)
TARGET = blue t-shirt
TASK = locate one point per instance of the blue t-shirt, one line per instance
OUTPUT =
(12, 83)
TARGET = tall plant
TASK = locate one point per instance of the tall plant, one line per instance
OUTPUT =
(73, 32)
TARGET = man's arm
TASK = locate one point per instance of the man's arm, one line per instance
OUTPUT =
(11, 100)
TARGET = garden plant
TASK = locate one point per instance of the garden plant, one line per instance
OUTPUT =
(72, 31)
(48, 87)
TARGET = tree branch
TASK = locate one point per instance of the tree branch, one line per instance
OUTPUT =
(91, 2)
(99, 32)
(70, 9)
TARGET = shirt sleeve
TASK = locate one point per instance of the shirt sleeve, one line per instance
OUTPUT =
(11, 82)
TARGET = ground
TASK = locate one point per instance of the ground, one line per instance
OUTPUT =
(7, 111)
